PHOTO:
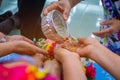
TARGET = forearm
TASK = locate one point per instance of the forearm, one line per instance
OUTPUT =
(6, 48)
(72, 2)
(108, 60)
(73, 70)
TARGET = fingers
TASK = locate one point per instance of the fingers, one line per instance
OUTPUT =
(53, 6)
(81, 40)
(28, 40)
(39, 59)
(31, 49)
(41, 51)
(53, 67)
(66, 13)
(36, 50)
(58, 6)
(65, 9)
(107, 22)
(104, 33)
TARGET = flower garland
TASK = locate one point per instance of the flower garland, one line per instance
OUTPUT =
(23, 72)
(49, 45)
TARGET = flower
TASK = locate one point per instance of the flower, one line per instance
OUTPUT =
(47, 45)
(90, 72)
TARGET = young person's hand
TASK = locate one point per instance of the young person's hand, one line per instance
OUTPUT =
(53, 67)
(39, 59)
(114, 27)
(89, 46)
(72, 67)
(84, 46)
(92, 49)
(63, 6)
(63, 54)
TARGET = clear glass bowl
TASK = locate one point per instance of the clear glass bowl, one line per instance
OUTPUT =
(54, 26)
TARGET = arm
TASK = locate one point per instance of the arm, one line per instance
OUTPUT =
(16, 38)
(6, 48)
(21, 47)
(53, 67)
(73, 2)
(108, 60)
(62, 5)
(72, 67)
(114, 27)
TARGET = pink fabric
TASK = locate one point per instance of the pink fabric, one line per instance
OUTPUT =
(15, 73)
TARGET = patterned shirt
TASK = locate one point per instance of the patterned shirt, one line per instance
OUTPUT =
(111, 10)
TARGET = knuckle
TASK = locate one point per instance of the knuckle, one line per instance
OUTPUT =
(111, 31)
(54, 3)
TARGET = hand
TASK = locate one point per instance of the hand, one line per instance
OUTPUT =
(63, 6)
(63, 54)
(24, 47)
(53, 67)
(18, 38)
(39, 59)
(70, 45)
(114, 26)
(88, 46)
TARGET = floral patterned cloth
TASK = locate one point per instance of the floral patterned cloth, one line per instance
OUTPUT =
(111, 10)
(101, 74)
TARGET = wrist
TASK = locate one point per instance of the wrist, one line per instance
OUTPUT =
(68, 3)
(6, 48)
(73, 2)
(70, 57)
(97, 50)
(15, 46)
(3, 39)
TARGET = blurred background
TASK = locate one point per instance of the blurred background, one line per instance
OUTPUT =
(84, 17)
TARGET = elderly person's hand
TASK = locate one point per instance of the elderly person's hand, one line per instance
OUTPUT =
(63, 6)
(24, 47)
(21, 47)
(18, 38)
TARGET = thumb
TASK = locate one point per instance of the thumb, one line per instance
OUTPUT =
(81, 40)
